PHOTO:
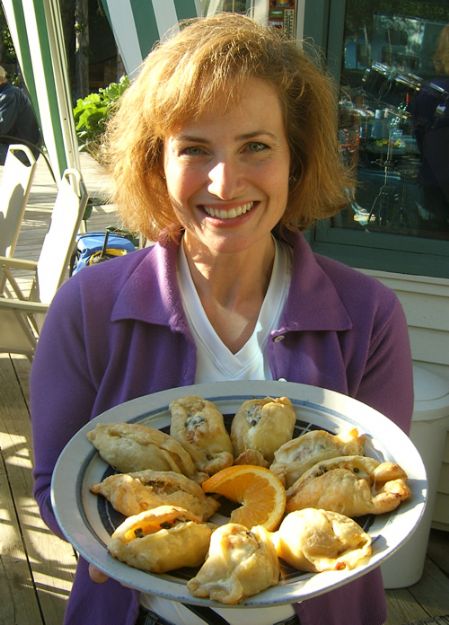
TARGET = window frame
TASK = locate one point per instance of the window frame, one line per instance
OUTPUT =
(362, 248)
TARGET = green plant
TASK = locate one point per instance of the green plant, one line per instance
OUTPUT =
(92, 112)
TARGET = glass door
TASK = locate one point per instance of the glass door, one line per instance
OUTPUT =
(394, 116)
(391, 64)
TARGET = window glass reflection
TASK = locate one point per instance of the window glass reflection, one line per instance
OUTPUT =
(394, 116)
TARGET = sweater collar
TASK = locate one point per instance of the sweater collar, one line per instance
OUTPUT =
(151, 293)
(313, 302)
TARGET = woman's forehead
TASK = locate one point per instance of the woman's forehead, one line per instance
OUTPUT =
(253, 94)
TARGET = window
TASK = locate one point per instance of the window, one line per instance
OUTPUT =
(391, 61)
(277, 13)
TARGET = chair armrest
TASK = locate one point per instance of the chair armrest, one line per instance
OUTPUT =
(22, 305)
(17, 263)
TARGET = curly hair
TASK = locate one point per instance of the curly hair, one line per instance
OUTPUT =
(209, 60)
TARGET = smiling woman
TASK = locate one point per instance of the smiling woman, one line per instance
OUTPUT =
(222, 151)
(228, 182)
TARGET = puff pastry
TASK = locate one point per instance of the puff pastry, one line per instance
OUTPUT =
(262, 425)
(131, 447)
(162, 539)
(135, 492)
(199, 426)
(350, 485)
(293, 458)
(240, 563)
(319, 540)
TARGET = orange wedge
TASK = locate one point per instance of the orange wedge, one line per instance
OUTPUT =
(260, 492)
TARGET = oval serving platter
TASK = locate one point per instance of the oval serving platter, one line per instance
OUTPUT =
(88, 520)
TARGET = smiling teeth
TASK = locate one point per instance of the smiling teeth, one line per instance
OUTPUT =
(228, 214)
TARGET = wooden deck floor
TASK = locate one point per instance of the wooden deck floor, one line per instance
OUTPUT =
(36, 568)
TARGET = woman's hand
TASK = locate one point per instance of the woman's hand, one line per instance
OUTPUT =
(99, 577)
(96, 575)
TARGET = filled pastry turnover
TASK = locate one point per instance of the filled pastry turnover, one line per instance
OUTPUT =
(131, 447)
(162, 539)
(295, 457)
(135, 492)
(319, 540)
(261, 426)
(240, 563)
(351, 485)
(199, 426)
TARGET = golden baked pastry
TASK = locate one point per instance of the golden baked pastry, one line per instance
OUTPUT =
(199, 426)
(162, 539)
(293, 458)
(350, 485)
(135, 492)
(252, 456)
(129, 447)
(319, 540)
(262, 425)
(240, 563)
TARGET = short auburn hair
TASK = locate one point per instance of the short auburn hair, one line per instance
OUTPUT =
(208, 60)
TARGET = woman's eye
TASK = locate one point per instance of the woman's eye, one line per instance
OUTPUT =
(192, 150)
(257, 146)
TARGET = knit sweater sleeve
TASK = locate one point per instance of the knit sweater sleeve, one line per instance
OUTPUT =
(62, 394)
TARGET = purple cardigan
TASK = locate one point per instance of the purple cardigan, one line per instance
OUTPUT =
(117, 331)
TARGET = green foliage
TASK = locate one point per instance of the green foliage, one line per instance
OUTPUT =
(8, 59)
(92, 112)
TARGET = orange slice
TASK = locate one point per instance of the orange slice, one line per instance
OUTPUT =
(260, 492)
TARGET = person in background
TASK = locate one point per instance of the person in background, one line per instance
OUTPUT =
(18, 123)
(430, 115)
(223, 151)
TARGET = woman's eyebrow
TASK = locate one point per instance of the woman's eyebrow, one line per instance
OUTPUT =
(192, 138)
(244, 136)
(256, 133)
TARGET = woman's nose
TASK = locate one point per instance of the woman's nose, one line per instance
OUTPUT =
(225, 180)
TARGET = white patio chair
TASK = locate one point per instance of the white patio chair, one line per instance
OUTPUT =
(17, 178)
(22, 316)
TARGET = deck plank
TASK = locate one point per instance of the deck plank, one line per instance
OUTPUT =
(17, 595)
(42, 563)
(432, 592)
(402, 608)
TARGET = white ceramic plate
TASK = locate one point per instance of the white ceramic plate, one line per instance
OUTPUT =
(88, 520)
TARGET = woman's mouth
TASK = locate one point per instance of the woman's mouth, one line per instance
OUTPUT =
(228, 213)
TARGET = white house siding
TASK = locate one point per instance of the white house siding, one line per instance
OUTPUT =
(426, 304)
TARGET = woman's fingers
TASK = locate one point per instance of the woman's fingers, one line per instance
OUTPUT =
(96, 575)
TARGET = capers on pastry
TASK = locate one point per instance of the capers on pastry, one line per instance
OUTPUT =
(199, 426)
(240, 563)
(135, 492)
(262, 425)
(129, 447)
(293, 458)
(350, 485)
(319, 540)
(162, 539)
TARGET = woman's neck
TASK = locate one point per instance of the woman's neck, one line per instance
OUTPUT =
(232, 288)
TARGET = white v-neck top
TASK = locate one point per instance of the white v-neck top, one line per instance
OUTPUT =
(215, 362)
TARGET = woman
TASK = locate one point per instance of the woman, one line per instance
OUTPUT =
(223, 151)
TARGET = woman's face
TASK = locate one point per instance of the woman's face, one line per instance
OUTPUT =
(227, 172)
